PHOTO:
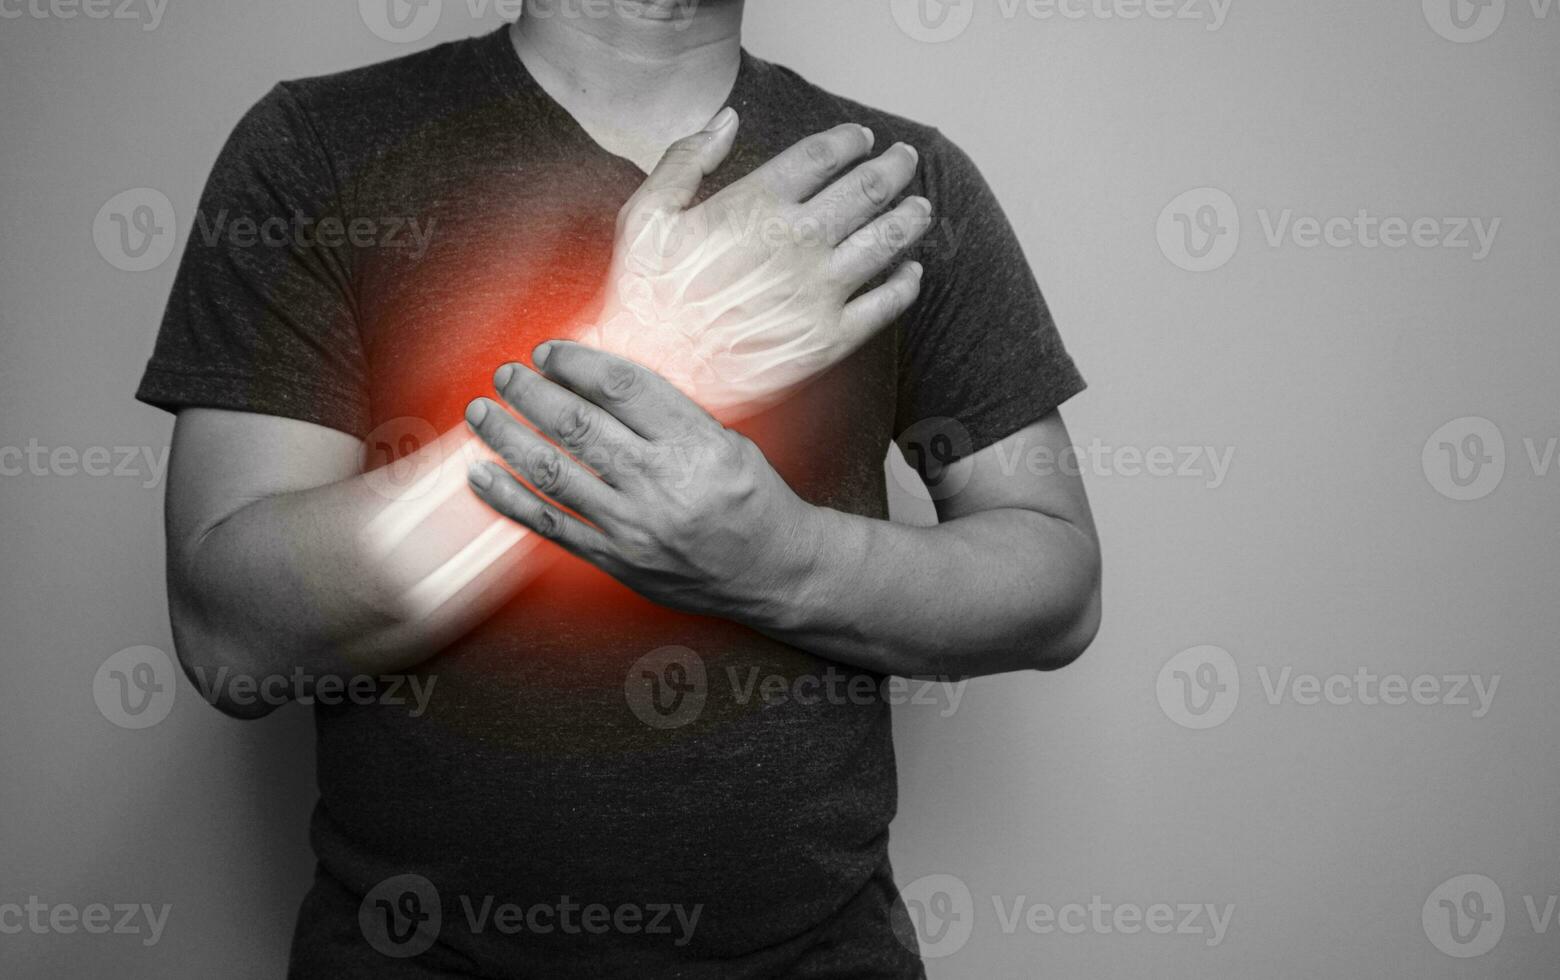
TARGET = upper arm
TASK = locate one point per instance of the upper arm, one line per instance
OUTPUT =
(1033, 469)
(222, 461)
(259, 353)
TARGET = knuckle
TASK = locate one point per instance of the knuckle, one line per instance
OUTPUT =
(893, 236)
(547, 472)
(621, 384)
(874, 186)
(549, 522)
(576, 429)
(822, 153)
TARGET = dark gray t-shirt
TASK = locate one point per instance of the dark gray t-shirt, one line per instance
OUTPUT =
(453, 216)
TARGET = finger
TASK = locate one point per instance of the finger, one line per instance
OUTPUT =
(552, 472)
(807, 167)
(869, 313)
(584, 431)
(674, 182)
(871, 250)
(632, 394)
(852, 200)
(502, 492)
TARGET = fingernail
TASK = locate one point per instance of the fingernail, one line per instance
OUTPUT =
(502, 378)
(540, 355)
(476, 412)
(871, 137)
(480, 476)
(923, 204)
(915, 155)
(917, 270)
(722, 119)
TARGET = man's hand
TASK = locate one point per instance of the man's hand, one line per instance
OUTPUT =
(739, 300)
(668, 501)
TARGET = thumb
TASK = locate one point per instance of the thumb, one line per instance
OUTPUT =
(675, 181)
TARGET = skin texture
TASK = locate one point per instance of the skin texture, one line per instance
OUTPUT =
(272, 564)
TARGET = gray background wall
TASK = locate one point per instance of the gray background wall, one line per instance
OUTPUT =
(1332, 544)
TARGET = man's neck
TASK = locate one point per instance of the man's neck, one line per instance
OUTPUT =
(636, 81)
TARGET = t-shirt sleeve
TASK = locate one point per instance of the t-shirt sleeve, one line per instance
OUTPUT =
(979, 347)
(261, 317)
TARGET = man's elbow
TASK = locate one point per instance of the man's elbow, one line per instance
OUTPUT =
(217, 666)
(1062, 646)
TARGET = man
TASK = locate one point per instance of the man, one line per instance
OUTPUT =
(617, 602)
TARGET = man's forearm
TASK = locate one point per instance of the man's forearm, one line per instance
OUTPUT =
(1005, 583)
(996, 591)
(363, 575)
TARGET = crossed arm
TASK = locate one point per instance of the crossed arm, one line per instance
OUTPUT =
(1008, 580)
(692, 516)
(278, 553)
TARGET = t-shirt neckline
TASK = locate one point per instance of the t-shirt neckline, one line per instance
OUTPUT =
(518, 83)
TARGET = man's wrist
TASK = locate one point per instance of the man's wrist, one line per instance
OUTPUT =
(814, 558)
